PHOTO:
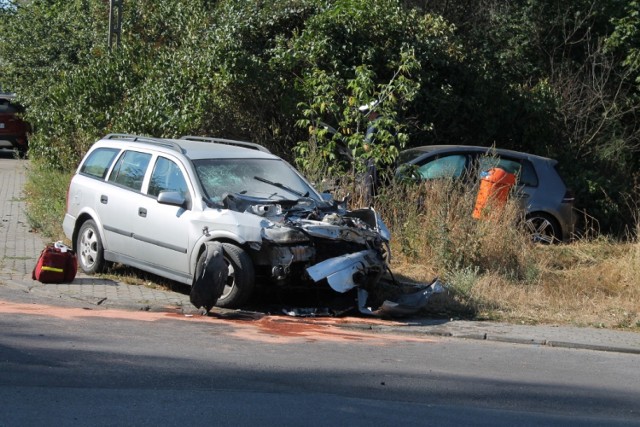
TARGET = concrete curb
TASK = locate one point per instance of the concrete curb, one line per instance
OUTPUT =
(451, 332)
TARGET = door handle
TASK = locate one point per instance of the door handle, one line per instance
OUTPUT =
(142, 212)
(104, 199)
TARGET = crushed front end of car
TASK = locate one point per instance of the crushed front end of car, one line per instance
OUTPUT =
(306, 242)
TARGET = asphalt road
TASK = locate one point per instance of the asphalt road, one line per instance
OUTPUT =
(67, 361)
(73, 366)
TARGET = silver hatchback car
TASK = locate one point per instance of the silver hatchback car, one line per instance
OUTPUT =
(155, 203)
(548, 204)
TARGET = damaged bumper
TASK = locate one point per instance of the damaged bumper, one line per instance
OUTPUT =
(345, 272)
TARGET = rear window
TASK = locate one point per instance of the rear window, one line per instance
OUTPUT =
(523, 169)
(98, 162)
(407, 155)
(8, 107)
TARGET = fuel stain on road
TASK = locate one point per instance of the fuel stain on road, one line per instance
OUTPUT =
(261, 328)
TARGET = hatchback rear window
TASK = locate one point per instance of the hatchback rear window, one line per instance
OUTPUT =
(8, 107)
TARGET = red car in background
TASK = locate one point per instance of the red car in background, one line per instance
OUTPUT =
(13, 130)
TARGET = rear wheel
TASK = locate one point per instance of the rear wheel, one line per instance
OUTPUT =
(89, 248)
(543, 228)
(241, 277)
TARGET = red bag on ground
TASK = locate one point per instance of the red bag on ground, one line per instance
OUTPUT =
(57, 264)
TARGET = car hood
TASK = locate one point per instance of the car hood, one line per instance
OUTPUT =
(314, 218)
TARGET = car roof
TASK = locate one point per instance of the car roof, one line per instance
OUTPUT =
(197, 147)
(436, 149)
(206, 150)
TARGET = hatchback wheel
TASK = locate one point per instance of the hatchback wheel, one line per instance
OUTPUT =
(543, 228)
(240, 279)
(89, 248)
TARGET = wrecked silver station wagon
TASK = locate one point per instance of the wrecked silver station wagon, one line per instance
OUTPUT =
(154, 204)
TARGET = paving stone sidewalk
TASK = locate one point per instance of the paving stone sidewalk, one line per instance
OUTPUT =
(20, 248)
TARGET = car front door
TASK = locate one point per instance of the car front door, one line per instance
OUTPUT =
(162, 230)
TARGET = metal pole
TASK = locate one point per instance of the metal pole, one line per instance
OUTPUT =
(115, 22)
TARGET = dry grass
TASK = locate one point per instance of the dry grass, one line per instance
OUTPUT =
(493, 270)
(585, 283)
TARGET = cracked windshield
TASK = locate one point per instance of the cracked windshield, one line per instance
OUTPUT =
(263, 178)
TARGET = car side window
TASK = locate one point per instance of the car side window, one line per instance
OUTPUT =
(130, 169)
(98, 162)
(522, 169)
(452, 166)
(167, 176)
(528, 175)
(489, 162)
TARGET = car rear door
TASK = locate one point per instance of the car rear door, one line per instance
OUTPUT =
(526, 177)
(118, 201)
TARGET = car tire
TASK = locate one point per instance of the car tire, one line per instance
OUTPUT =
(21, 153)
(241, 278)
(89, 248)
(543, 228)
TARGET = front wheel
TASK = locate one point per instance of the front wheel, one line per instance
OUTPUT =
(89, 248)
(240, 279)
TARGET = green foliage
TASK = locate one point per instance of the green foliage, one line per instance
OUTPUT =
(45, 195)
(158, 82)
(626, 37)
(551, 78)
(538, 78)
(347, 147)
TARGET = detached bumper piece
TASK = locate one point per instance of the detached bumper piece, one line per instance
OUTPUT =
(345, 272)
(402, 305)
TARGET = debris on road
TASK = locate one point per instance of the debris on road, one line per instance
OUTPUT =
(401, 300)
(409, 301)
(210, 278)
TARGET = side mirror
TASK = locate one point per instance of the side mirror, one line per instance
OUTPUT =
(327, 197)
(172, 198)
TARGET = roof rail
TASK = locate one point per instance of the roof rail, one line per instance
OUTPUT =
(243, 144)
(147, 139)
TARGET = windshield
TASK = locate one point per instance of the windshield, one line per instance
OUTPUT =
(270, 179)
(408, 155)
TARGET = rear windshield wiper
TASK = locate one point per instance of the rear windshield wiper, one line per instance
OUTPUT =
(282, 186)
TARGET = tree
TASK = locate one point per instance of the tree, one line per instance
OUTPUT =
(349, 147)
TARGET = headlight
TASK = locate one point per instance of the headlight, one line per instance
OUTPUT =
(277, 234)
